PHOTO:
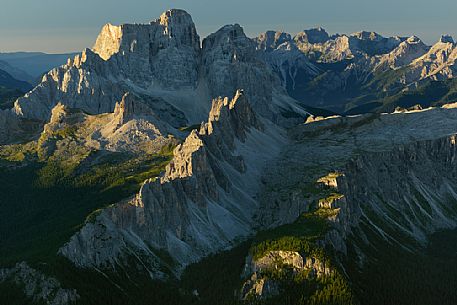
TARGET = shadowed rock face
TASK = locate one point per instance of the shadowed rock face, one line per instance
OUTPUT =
(200, 205)
(410, 190)
(396, 176)
(316, 35)
(230, 62)
(130, 106)
(270, 40)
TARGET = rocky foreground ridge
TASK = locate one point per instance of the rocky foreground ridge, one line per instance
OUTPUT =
(202, 203)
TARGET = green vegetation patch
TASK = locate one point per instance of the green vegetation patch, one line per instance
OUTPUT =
(44, 203)
(302, 287)
(300, 236)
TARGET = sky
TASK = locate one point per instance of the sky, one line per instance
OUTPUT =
(58, 26)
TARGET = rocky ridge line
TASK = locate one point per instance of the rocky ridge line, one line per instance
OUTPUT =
(203, 202)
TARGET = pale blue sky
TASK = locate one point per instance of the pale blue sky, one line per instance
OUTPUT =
(71, 25)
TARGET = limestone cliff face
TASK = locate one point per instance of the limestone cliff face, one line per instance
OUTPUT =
(257, 285)
(391, 175)
(85, 83)
(203, 202)
(437, 64)
(407, 192)
(129, 107)
(230, 61)
(406, 52)
(161, 54)
(133, 127)
(164, 51)
(163, 60)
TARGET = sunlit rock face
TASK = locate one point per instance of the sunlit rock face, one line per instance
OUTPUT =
(161, 59)
(406, 52)
(257, 283)
(162, 54)
(439, 63)
(164, 51)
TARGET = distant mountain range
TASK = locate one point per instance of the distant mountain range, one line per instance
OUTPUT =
(346, 74)
(34, 64)
(361, 72)
(7, 81)
(21, 71)
(11, 88)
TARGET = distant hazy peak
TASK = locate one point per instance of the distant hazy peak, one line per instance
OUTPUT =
(364, 35)
(413, 40)
(272, 39)
(226, 34)
(446, 39)
(314, 35)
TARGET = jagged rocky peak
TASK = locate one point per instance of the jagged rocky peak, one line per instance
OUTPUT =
(62, 115)
(230, 61)
(412, 44)
(270, 40)
(228, 118)
(108, 41)
(365, 35)
(173, 28)
(58, 113)
(314, 35)
(238, 111)
(406, 52)
(372, 43)
(181, 211)
(228, 35)
(179, 24)
(439, 54)
(129, 106)
(413, 40)
(161, 55)
(446, 39)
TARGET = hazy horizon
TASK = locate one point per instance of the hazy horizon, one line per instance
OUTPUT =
(53, 26)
